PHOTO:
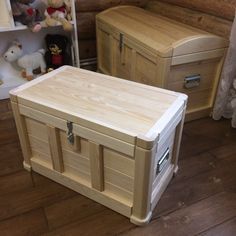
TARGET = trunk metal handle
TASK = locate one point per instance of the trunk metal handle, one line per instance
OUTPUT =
(163, 160)
(192, 81)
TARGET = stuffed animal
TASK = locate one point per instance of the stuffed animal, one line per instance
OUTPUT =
(28, 62)
(57, 13)
(56, 54)
(24, 14)
(68, 9)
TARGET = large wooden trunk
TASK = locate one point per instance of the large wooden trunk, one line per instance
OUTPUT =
(138, 45)
(112, 140)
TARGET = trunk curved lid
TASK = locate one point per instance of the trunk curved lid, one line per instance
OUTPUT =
(159, 34)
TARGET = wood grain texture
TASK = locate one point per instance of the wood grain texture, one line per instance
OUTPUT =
(11, 157)
(86, 100)
(22, 132)
(95, 100)
(204, 21)
(222, 8)
(77, 144)
(202, 186)
(102, 223)
(87, 10)
(96, 166)
(86, 25)
(100, 5)
(31, 198)
(169, 50)
(87, 48)
(227, 228)
(30, 223)
(73, 209)
(7, 129)
(142, 185)
(15, 182)
(55, 148)
(215, 209)
(174, 39)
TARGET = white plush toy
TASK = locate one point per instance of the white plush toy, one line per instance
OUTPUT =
(28, 62)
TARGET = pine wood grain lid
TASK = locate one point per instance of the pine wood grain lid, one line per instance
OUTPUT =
(78, 95)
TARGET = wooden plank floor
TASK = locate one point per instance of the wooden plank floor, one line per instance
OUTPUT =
(201, 200)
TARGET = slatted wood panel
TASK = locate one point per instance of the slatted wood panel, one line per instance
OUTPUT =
(38, 140)
(208, 150)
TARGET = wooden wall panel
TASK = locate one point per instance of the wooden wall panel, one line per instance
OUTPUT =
(210, 23)
(86, 11)
(86, 25)
(221, 8)
(87, 48)
(100, 5)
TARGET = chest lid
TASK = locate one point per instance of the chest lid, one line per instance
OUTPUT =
(99, 102)
(159, 34)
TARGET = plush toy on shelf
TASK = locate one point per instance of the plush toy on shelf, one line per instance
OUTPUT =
(56, 54)
(57, 13)
(28, 62)
(24, 14)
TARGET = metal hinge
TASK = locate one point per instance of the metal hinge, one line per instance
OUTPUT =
(70, 135)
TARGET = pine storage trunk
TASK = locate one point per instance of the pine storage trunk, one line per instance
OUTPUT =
(114, 141)
(135, 44)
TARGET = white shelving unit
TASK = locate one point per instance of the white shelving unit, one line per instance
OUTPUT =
(10, 73)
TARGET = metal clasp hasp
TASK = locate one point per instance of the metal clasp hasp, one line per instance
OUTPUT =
(70, 135)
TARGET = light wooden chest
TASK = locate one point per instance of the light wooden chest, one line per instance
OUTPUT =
(112, 140)
(138, 45)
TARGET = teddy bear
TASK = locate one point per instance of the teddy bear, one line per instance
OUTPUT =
(56, 54)
(56, 12)
(24, 14)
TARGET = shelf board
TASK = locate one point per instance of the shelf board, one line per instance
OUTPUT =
(23, 27)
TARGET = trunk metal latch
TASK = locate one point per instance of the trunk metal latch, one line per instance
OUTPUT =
(70, 135)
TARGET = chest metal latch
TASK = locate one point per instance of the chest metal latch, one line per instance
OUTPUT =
(121, 42)
(70, 135)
